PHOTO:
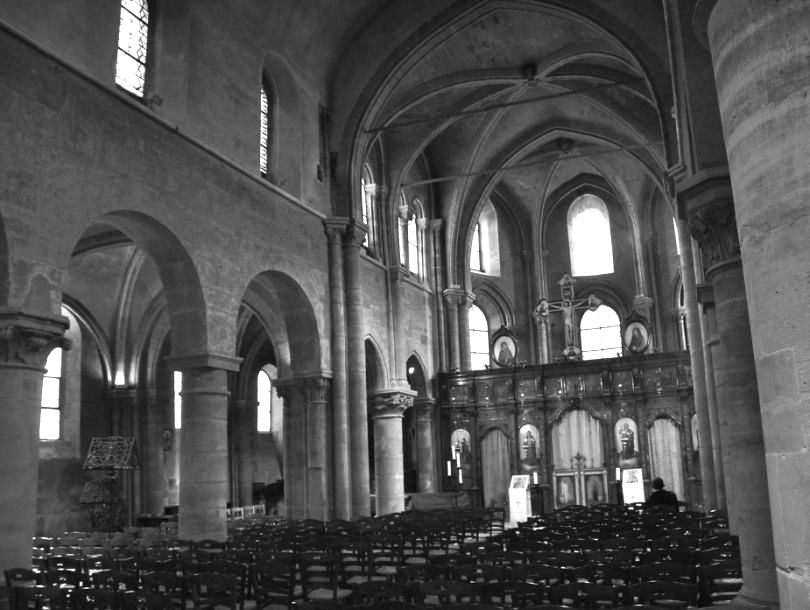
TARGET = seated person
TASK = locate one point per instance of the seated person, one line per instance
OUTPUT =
(662, 497)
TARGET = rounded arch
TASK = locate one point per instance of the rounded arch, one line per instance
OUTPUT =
(284, 170)
(95, 332)
(495, 305)
(286, 313)
(178, 274)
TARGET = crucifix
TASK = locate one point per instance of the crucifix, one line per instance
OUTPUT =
(568, 304)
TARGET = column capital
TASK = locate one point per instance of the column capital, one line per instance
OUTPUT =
(715, 229)
(355, 234)
(455, 295)
(27, 339)
(392, 403)
(435, 225)
(207, 360)
(425, 409)
(335, 226)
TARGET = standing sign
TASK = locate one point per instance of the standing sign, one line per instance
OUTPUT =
(520, 501)
(632, 485)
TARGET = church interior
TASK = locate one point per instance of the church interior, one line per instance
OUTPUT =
(334, 260)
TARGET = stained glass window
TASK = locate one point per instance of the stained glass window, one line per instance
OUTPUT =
(265, 132)
(479, 338)
(133, 44)
(600, 334)
(589, 240)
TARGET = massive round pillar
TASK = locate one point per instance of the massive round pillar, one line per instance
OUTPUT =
(388, 457)
(25, 342)
(759, 51)
(740, 424)
(204, 489)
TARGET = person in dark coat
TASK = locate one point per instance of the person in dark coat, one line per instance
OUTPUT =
(662, 497)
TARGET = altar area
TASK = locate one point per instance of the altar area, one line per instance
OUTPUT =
(572, 427)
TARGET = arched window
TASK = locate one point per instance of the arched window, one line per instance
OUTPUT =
(600, 333)
(411, 220)
(479, 338)
(50, 417)
(265, 128)
(265, 399)
(369, 195)
(589, 240)
(485, 256)
(177, 379)
(682, 313)
(133, 46)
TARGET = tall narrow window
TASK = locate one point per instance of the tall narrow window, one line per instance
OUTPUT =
(133, 46)
(485, 256)
(177, 378)
(410, 235)
(264, 400)
(265, 128)
(589, 240)
(475, 249)
(50, 417)
(600, 333)
(479, 338)
(368, 194)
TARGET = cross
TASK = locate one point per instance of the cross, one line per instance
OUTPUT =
(568, 304)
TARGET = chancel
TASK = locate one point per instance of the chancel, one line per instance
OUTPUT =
(343, 263)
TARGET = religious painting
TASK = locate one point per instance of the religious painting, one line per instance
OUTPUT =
(636, 334)
(594, 489)
(504, 347)
(565, 492)
(461, 450)
(626, 435)
(529, 438)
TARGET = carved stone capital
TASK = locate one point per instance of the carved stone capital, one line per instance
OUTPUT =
(425, 410)
(335, 227)
(392, 404)
(28, 339)
(317, 389)
(455, 295)
(355, 234)
(715, 229)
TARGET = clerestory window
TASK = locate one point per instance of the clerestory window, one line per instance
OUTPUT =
(265, 128)
(589, 241)
(133, 46)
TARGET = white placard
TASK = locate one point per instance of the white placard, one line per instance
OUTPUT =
(632, 485)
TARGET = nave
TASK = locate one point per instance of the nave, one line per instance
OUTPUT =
(605, 556)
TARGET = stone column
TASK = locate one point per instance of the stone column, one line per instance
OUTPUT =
(244, 421)
(122, 401)
(25, 342)
(389, 407)
(707, 469)
(356, 370)
(759, 51)
(454, 296)
(437, 280)
(342, 489)
(541, 323)
(316, 391)
(295, 434)
(204, 487)
(711, 345)
(155, 449)
(711, 219)
(426, 443)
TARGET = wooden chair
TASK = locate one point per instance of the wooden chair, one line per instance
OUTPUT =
(146, 600)
(211, 590)
(274, 582)
(321, 577)
(443, 592)
(169, 584)
(719, 583)
(376, 591)
(93, 598)
(681, 595)
(512, 593)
